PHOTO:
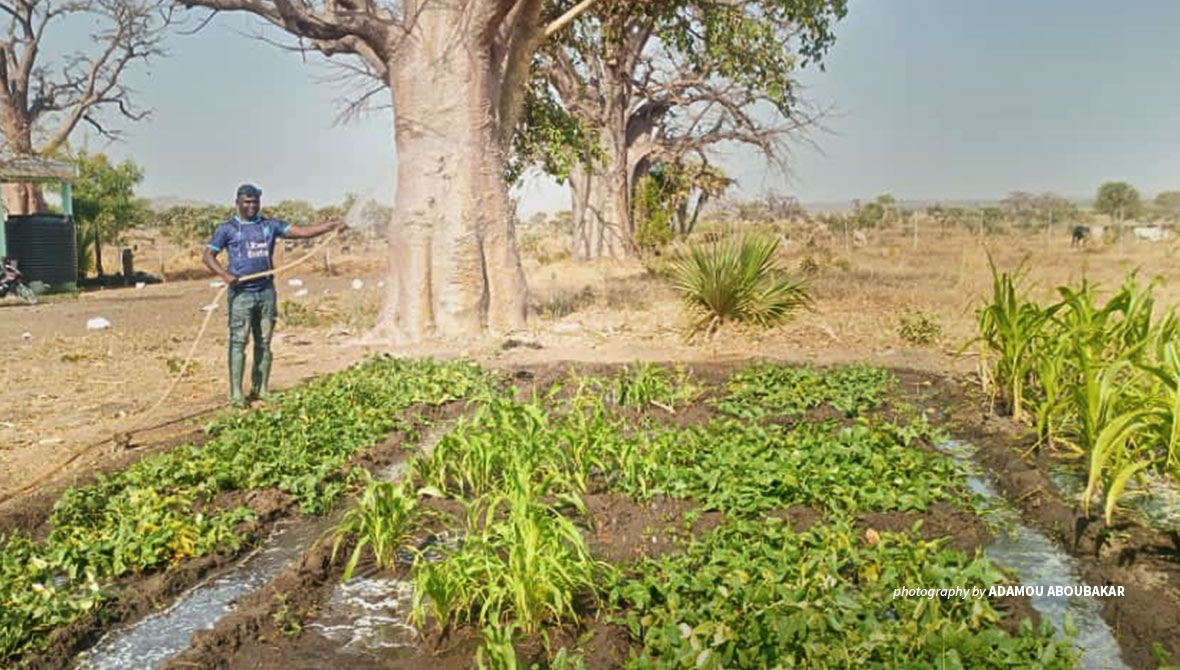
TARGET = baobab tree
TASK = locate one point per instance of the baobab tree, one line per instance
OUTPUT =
(455, 73)
(664, 83)
(43, 100)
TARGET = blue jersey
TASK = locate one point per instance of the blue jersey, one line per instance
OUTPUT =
(251, 247)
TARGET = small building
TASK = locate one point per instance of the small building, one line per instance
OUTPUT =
(44, 244)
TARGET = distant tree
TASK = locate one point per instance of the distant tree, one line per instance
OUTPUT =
(770, 207)
(48, 86)
(1021, 208)
(1119, 200)
(946, 217)
(185, 224)
(375, 218)
(104, 199)
(669, 83)
(881, 212)
(1167, 204)
(668, 200)
(297, 212)
(871, 215)
(1052, 209)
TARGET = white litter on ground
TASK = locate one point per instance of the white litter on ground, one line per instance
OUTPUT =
(26, 335)
(294, 282)
(140, 284)
(300, 293)
(97, 323)
(357, 284)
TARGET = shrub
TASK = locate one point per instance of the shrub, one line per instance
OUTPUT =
(736, 279)
(918, 327)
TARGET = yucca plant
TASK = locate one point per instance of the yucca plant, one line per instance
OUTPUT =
(738, 279)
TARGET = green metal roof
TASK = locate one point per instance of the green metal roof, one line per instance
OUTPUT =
(35, 168)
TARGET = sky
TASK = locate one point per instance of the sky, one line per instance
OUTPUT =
(932, 99)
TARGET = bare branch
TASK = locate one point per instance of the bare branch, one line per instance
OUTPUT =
(565, 19)
(201, 26)
(87, 80)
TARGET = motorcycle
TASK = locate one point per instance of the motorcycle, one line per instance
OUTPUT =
(13, 281)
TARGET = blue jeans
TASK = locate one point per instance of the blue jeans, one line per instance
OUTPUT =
(251, 314)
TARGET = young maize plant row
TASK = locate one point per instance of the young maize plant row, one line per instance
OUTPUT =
(1102, 380)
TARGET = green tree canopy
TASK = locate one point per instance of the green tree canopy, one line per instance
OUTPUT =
(184, 224)
(1167, 204)
(1118, 199)
(104, 195)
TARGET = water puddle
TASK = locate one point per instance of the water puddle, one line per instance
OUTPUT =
(160, 636)
(1040, 562)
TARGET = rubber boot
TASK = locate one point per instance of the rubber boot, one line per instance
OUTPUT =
(237, 369)
(260, 375)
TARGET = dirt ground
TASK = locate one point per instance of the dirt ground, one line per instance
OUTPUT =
(69, 390)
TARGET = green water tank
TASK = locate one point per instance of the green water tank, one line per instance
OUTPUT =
(45, 247)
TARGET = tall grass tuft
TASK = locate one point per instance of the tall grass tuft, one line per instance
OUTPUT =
(738, 279)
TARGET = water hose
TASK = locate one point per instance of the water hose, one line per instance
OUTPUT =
(125, 436)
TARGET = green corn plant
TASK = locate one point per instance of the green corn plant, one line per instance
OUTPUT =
(498, 651)
(1108, 430)
(651, 384)
(1131, 334)
(1053, 375)
(381, 520)
(519, 559)
(1011, 329)
(1166, 409)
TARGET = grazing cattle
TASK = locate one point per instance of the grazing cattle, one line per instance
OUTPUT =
(1149, 233)
(1080, 236)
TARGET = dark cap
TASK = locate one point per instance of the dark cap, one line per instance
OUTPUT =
(249, 191)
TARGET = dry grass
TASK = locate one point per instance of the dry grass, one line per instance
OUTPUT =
(861, 292)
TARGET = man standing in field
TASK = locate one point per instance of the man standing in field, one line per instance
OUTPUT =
(249, 239)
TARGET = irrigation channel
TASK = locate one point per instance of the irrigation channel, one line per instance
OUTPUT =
(368, 614)
(161, 636)
(1040, 562)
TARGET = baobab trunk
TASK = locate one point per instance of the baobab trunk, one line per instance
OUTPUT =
(601, 191)
(454, 269)
(601, 220)
(21, 198)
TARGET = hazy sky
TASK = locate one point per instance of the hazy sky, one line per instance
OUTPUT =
(935, 99)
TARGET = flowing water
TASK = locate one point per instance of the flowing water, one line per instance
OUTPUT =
(1040, 562)
(159, 637)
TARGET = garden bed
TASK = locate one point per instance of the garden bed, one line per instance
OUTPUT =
(648, 537)
(678, 473)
